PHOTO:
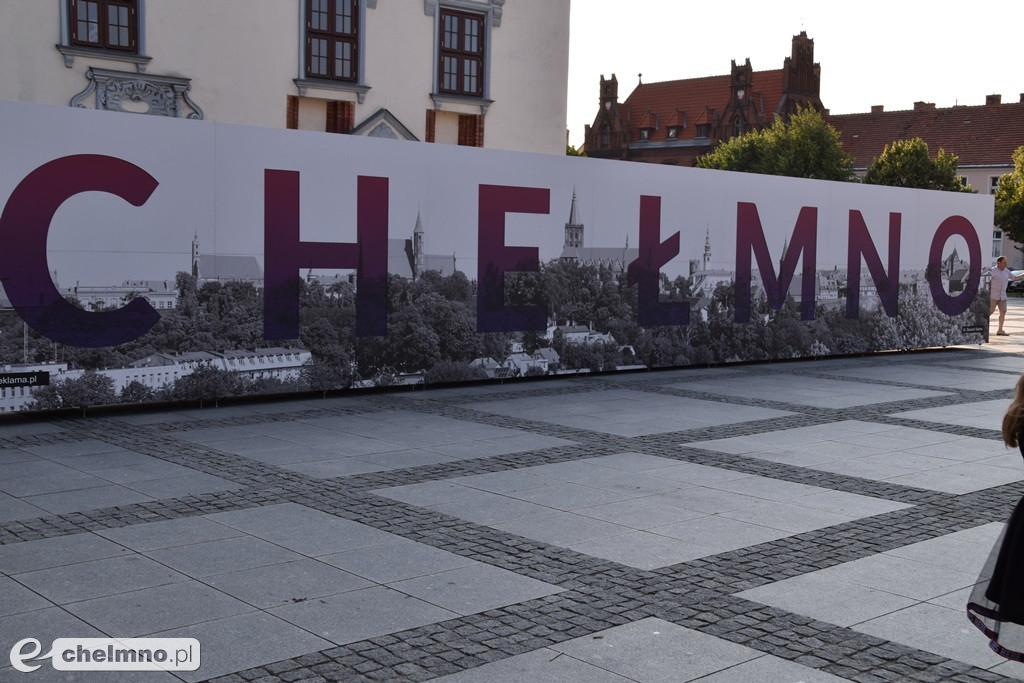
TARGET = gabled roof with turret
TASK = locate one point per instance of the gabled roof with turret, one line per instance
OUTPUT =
(697, 99)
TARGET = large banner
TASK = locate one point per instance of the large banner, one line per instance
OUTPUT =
(150, 259)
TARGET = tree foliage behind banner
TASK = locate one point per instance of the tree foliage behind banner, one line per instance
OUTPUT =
(803, 145)
(1009, 213)
(907, 163)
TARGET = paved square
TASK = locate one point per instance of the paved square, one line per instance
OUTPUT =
(620, 412)
(914, 595)
(983, 414)
(940, 378)
(642, 511)
(808, 391)
(651, 651)
(903, 455)
(562, 530)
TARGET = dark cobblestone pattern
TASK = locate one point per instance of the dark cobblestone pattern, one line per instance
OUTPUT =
(456, 645)
(959, 430)
(135, 513)
(25, 440)
(791, 556)
(368, 403)
(599, 594)
(833, 649)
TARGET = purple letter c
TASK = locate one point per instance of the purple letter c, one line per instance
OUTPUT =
(24, 270)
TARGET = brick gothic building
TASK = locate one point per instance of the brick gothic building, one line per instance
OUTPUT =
(983, 137)
(674, 122)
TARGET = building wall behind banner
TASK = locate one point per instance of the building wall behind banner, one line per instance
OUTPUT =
(147, 259)
(245, 62)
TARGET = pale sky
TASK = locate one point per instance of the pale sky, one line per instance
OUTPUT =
(892, 53)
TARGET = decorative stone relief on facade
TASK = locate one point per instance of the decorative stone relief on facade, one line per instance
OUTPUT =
(139, 93)
(383, 130)
(383, 124)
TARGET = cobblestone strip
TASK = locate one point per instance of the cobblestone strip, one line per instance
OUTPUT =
(51, 526)
(959, 430)
(447, 647)
(810, 551)
(369, 403)
(836, 650)
(25, 440)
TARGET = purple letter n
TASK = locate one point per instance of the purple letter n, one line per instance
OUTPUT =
(285, 255)
(860, 244)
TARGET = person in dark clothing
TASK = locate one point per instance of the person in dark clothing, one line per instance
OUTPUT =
(996, 604)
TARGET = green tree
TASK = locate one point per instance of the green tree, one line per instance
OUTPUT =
(206, 382)
(907, 163)
(137, 392)
(449, 371)
(91, 389)
(572, 151)
(326, 374)
(1010, 199)
(802, 146)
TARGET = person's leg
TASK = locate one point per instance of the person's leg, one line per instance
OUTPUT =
(1002, 315)
(992, 303)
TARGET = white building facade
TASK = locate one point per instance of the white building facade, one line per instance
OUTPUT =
(160, 371)
(488, 73)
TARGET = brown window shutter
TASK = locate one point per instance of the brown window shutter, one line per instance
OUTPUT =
(431, 125)
(471, 130)
(467, 130)
(332, 117)
(348, 117)
(292, 117)
(340, 117)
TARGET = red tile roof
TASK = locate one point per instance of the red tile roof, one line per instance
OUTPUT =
(984, 135)
(692, 96)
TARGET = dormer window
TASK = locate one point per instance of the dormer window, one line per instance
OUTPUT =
(702, 130)
(672, 133)
(645, 134)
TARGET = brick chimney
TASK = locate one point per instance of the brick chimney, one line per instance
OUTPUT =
(922, 106)
(877, 108)
(994, 99)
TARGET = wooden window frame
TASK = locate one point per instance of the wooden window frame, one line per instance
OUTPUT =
(103, 25)
(461, 54)
(333, 39)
